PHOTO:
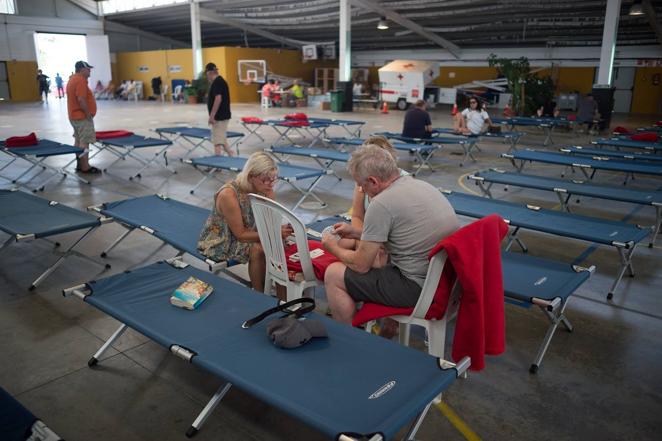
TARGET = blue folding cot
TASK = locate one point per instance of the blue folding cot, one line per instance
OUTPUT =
(566, 189)
(621, 235)
(173, 222)
(593, 164)
(616, 154)
(510, 136)
(324, 157)
(468, 144)
(195, 138)
(37, 155)
(423, 153)
(620, 143)
(17, 423)
(352, 128)
(286, 173)
(546, 124)
(389, 386)
(284, 128)
(527, 281)
(25, 217)
(127, 147)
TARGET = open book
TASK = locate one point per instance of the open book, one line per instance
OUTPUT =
(191, 293)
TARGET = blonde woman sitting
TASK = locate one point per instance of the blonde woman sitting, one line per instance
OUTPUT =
(230, 233)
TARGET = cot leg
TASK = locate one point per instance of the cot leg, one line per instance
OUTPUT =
(57, 263)
(403, 335)
(512, 237)
(204, 179)
(555, 319)
(658, 225)
(486, 190)
(117, 241)
(626, 264)
(97, 355)
(411, 433)
(563, 201)
(209, 408)
(6, 243)
(308, 192)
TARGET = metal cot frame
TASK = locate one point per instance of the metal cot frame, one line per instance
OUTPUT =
(193, 142)
(124, 151)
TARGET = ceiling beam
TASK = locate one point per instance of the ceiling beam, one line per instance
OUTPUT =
(88, 5)
(652, 19)
(212, 17)
(407, 23)
(113, 26)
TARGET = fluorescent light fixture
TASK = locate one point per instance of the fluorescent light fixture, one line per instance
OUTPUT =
(636, 9)
(383, 24)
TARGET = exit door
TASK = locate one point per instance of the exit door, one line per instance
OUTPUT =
(623, 80)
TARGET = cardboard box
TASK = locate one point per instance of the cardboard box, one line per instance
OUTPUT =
(325, 105)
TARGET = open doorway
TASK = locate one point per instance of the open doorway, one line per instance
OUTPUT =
(58, 53)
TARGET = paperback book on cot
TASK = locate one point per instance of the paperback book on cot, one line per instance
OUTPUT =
(191, 293)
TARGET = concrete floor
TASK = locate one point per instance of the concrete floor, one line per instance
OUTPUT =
(600, 382)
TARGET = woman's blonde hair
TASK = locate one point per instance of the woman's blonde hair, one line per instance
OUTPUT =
(259, 163)
(381, 142)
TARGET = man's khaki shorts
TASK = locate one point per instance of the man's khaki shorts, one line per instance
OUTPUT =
(84, 132)
(219, 132)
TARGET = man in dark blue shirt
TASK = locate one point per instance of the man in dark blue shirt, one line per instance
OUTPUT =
(218, 105)
(417, 122)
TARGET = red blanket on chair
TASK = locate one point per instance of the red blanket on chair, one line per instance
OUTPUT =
(475, 253)
(110, 134)
(22, 141)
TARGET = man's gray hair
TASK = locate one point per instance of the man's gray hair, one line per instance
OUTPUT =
(371, 160)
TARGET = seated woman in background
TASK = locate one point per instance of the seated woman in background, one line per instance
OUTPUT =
(230, 233)
(472, 120)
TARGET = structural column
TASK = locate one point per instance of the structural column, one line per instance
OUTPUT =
(196, 39)
(345, 49)
(608, 49)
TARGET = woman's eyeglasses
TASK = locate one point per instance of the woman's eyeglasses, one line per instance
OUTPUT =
(268, 179)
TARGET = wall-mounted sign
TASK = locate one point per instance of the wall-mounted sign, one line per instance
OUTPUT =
(174, 68)
(143, 68)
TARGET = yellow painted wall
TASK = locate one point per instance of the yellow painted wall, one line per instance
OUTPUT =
(647, 97)
(572, 79)
(280, 61)
(158, 63)
(22, 76)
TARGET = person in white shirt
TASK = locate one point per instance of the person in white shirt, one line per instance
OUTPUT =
(472, 120)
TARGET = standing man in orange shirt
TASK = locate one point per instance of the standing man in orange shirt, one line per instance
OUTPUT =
(82, 107)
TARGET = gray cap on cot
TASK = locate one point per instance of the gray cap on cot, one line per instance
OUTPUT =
(291, 333)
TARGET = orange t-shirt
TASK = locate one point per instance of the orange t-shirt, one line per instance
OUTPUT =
(77, 87)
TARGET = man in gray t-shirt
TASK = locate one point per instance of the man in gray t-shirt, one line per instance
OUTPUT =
(409, 217)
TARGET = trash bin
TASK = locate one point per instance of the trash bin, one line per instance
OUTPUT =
(337, 99)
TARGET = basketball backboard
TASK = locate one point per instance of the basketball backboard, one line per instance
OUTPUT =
(252, 71)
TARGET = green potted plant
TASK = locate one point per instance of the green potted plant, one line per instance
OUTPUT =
(191, 94)
(201, 85)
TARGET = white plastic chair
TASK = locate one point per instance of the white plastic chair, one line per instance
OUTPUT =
(436, 329)
(269, 216)
(265, 102)
(164, 93)
(177, 94)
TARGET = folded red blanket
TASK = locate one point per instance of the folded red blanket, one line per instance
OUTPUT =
(645, 136)
(572, 117)
(22, 141)
(620, 130)
(109, 134)
(252, 119)
(296, 117)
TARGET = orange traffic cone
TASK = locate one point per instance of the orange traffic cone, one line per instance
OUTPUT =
(384, 107)
(454, 111)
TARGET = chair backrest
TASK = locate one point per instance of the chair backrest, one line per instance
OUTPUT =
(269, 216)
(432, 279)
(178, 90)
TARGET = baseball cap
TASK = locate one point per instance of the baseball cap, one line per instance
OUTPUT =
(290, 332)
(83, 64)
(210, 67)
